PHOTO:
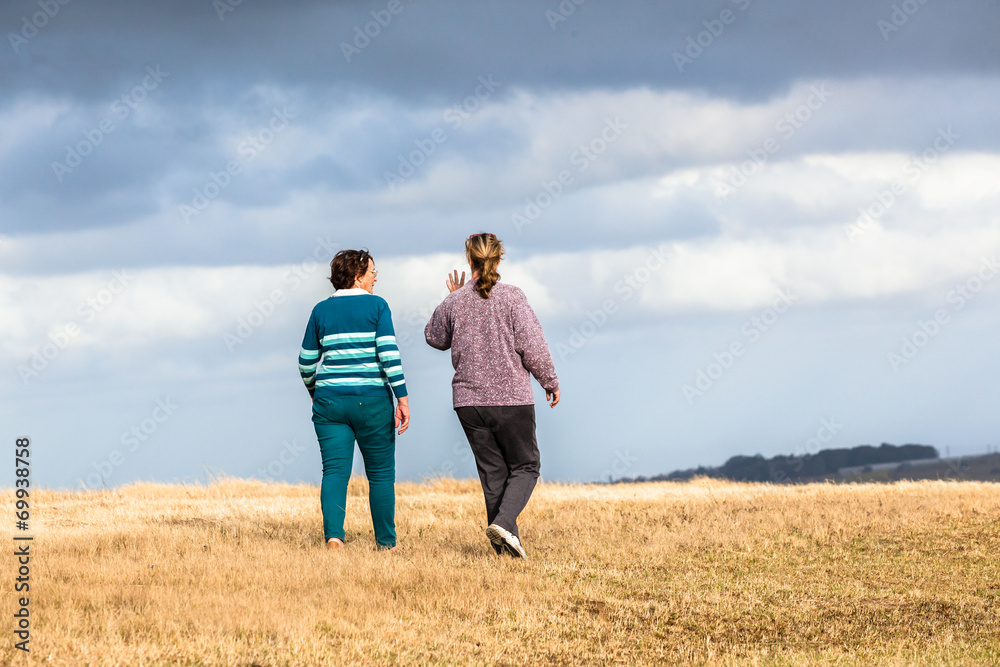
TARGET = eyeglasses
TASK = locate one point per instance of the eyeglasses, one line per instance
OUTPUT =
(481, 233)
(374, 273)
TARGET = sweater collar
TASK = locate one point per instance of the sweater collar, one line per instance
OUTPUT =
(353, 291)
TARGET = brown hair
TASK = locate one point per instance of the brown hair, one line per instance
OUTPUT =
(347, 266)
(484, 252)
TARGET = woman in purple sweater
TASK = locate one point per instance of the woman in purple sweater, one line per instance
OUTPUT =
(496, 346)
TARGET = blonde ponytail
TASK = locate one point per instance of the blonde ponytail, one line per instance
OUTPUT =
(484, 252)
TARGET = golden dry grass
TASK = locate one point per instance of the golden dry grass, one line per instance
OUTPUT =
(700, 572)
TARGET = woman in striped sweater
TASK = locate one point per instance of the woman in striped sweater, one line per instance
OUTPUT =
(350, 364)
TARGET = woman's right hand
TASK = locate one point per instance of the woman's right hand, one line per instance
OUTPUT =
(453, 282)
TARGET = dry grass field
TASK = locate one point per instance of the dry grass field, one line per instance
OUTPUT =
(705, 572)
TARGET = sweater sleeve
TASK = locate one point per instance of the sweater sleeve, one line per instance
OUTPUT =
(309, 355)
(438, 331)
(529, 342)
(388, 352)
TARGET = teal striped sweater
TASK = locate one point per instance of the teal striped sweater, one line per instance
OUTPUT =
(349, 348)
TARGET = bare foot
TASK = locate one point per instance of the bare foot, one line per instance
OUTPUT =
(390, 549)
(334, 543)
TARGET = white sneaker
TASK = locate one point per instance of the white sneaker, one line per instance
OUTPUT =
(506, 540)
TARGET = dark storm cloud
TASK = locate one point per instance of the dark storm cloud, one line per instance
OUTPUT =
(223, 76)
(88, 50)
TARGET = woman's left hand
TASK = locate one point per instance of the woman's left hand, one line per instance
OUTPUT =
(403, 415)
(552, 396)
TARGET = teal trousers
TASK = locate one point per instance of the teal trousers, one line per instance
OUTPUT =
(339, 421)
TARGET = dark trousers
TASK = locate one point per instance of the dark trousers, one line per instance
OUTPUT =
(502, 438)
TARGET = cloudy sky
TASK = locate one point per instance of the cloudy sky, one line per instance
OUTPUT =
(746, 226)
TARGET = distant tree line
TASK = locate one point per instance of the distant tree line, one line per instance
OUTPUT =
(823, 463)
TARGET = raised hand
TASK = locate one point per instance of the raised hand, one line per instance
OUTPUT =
(454, 282)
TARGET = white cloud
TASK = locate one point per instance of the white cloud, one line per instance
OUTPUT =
(175, 304)
(655, 184)
(24, 119)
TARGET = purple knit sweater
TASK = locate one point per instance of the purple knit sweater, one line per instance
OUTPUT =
(495, 343)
